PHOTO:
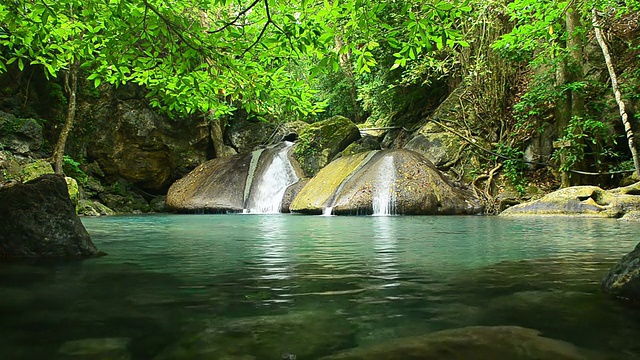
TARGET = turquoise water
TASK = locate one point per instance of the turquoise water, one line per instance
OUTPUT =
(188, 286)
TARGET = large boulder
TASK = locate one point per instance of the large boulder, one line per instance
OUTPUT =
(320, 142)
(215, 186)
(132, 141)
(257, 182)
(623, 280)
(402, 181)
(246, 135)
(38, 220)
(584, 201)
(474, 342)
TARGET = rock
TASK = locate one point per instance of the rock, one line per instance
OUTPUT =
(37, 219)
(319, 191)
(217, 185)
(72, 186)
(97, 349)
(435, 144)
(35, 169)
(366, 143)
(633, 215)
(133, 142)
(93, 208)
(249, 135)
(231, 184)
(623, 280)
(307, 335)
(20, 136)
(322, 141)
(474, 342)
(411, 182)
(587, 201)
(158, 203)
(291, 193)
(125, 204)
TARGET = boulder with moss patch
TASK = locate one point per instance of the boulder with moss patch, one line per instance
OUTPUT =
(584, 201)
(320, 142)
(623, 280)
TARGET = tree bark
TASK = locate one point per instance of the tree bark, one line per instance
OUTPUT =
(616, 90)
(72, 89)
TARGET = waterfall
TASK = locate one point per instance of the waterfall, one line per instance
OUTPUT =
(270, 184)
(384, 199)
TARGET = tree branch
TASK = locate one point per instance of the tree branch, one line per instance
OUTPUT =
(232, 22)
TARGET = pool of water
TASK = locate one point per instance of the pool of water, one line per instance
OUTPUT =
(210, 286)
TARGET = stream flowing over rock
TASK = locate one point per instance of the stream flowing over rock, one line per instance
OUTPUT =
(383, 183)
(254, 182)
(586, 201)
(38, 220)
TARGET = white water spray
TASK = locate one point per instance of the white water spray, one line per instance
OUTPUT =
(268, 190)
(384, 198)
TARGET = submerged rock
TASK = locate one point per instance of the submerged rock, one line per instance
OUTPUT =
(37, 219)
(587, 201)
(96, 349)
(623, 279)
(297, 335)
(475, 342)
(401, 181)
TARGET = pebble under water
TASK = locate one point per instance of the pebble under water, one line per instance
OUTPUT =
(304, 287)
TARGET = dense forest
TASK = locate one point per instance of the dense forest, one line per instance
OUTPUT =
(536, 94)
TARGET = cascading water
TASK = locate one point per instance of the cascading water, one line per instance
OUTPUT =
(384, 199)
(268, 189)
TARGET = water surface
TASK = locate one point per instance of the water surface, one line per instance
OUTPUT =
(263, 285)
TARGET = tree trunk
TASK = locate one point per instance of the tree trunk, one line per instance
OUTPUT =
(562, 115)
(72, 89)
(616, 90)
(217, 137)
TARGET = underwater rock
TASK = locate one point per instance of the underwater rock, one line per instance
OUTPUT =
(303, 334)
(474, 342)
(37, 219)
(96, 349)
(586, 201)
(623, 279)
(384, 182)
(320, 142)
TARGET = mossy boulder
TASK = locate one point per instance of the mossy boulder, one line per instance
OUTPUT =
(35, 169)
(72, 187)
(584, 201)
(364, 144)
(623, 280)
(20, 136)
(319, 191)
(404, 180)
(437, 145)
(474, 342)
(93, 208)
(632, 216)
(320, 142)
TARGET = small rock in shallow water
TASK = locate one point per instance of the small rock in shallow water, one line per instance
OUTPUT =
(97, 349)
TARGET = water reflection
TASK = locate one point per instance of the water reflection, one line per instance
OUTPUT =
(273, 249)
(386, 249)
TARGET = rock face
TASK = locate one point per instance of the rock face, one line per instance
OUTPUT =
(38, 220)
(623, 279)
(131, 141)
(475, 342)
(230, 184)
(402, 181)
(20, 136)
(587, 201)
(320, 142)
(435, 144)
(248, 135)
